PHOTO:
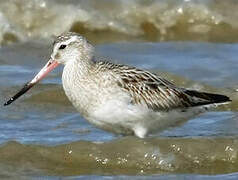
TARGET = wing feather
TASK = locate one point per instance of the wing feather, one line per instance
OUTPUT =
(156, 93)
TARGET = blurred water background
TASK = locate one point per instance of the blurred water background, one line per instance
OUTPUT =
(193, 43)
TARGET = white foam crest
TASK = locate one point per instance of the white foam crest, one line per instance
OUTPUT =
(43, 18)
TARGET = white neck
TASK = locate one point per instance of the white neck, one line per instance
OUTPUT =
(75, 78)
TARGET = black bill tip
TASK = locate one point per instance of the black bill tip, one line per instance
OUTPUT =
(9, 102)
(25, 88)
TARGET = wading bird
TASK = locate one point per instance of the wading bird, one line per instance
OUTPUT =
(119, 98)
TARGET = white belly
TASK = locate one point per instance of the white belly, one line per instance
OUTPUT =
(122, 117)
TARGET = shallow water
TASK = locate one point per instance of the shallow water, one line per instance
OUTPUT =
(43, 137)
(42, 134)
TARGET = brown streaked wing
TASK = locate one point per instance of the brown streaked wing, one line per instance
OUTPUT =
(157, 93)
(154, 93)
(147, 88)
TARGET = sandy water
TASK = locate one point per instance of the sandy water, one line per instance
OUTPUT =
(42, 135)
(188, 42)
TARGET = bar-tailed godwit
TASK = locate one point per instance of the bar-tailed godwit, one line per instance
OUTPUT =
(119, 98)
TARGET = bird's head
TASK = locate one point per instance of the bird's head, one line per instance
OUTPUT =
(70, 47)
(67, 47)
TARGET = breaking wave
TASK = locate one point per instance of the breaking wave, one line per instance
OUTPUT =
(115, 20)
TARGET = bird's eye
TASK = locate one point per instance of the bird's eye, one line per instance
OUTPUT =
(62, 46)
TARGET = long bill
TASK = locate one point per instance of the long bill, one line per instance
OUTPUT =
(50, 65)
